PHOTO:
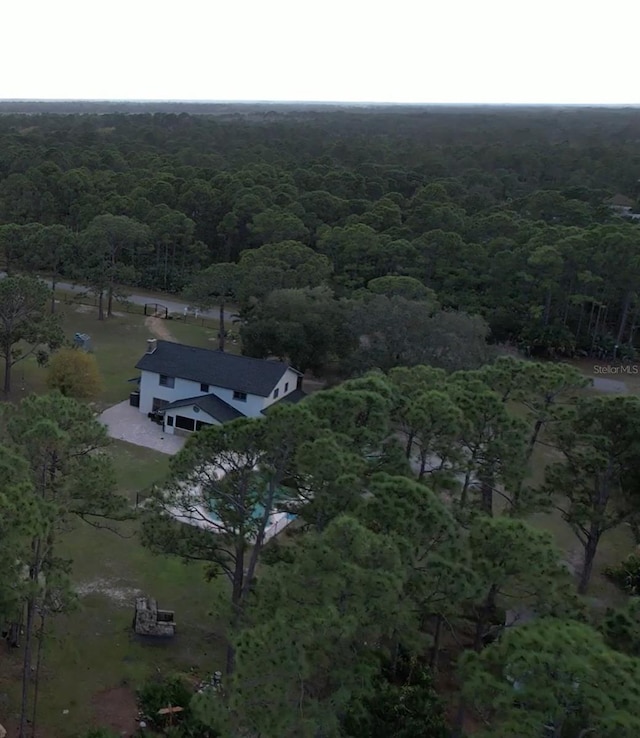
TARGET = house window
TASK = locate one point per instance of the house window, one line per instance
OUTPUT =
(276, 392)
(167, 381)
(169, 420)
(200, 424)
(241, 396)
(286, 386)
(158, 404)
(204, 387)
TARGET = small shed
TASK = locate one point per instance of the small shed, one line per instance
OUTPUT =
(82, 341)
(149, 620)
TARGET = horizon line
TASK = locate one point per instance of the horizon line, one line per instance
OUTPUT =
(177, 101)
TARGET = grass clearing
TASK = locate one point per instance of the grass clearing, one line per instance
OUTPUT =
(195, 333)
(118, 343)
(137, 467)
(93, 648)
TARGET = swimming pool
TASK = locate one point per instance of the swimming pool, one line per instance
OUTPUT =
(202, 515)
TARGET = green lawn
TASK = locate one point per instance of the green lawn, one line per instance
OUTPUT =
(94, 648)
(118, 343)
(197, 333)
(137, 467)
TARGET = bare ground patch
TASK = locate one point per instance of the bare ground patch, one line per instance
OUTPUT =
(119, 593)
(158, 327)
(117, 709)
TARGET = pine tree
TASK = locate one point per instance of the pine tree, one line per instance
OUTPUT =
(553, 677)
(63, 450)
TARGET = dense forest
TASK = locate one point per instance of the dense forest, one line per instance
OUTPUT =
(388, 251)
(502, 213)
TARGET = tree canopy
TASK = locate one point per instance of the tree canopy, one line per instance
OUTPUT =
(419, 204)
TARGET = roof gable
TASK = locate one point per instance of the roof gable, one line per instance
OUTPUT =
(215, 368)
(210, 404)
(290, 399)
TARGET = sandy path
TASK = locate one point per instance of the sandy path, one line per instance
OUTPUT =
(158, 327)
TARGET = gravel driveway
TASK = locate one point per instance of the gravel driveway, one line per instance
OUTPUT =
(126, 423)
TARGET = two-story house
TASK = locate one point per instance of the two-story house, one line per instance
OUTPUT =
(195, 387)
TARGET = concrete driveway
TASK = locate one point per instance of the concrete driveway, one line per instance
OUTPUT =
(126, 423)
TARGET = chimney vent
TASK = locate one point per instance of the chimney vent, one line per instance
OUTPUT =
(152, 345)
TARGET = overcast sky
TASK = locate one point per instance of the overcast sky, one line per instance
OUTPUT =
(443, 51)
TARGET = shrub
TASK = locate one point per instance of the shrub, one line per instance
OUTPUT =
(626, 575)
(75, 374)
(156, 695)
(621, 627)
(171, 691)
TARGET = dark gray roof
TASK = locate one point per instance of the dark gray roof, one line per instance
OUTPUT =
(216, 368)
(292, 398)
(210, 404)
(621, 201)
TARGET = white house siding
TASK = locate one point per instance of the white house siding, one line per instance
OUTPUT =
(251, 407)
(289, 378)
(150, 387)
(187, 411)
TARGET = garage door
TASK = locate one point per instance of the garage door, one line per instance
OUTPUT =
(185, 423)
